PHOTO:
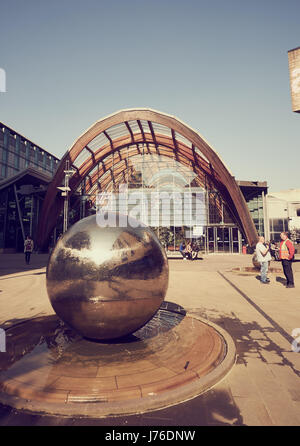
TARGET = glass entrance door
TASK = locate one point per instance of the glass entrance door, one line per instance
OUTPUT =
(235, 240)
(226, 240)
(211, 240)
(223, 239)
(223, 242)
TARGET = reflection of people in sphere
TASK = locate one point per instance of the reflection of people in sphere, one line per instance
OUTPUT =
(107, 282)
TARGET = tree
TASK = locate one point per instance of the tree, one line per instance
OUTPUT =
(166, 236)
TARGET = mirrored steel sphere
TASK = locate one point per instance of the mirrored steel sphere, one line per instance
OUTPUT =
(107, 282)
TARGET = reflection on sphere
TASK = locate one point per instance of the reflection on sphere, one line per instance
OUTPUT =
(107, 282)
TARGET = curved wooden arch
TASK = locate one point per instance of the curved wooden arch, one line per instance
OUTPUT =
(182, 152)
(120, 167)
(212, 166)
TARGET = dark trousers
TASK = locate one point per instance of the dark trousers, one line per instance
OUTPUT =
(27, 256)
(288, 272)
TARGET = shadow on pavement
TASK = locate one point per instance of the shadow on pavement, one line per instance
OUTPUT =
(250, 338)
(21, 275)
(15, 263)
(213, 408)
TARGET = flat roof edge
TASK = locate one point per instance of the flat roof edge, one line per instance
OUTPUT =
(29, 140)
(294, 49)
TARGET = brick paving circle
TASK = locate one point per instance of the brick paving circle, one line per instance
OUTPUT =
(49, 368)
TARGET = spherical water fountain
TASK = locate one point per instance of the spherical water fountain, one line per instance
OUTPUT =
(114, 346)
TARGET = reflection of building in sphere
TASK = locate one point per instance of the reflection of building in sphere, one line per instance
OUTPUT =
(107, 282)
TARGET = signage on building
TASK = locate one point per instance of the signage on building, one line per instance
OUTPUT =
(197, 231)
(294, 68)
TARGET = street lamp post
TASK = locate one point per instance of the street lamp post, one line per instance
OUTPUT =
(65, 193)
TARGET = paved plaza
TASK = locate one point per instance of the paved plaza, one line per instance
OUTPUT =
(262, 388)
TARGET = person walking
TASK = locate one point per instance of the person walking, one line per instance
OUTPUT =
(28, 248)
(286, 255)
(263, 257)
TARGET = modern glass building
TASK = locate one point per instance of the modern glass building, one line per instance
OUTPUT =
(255, 193)
(143, 153)
(284, 213)
(18, 153)
(25, 171)
(152, 169)
(167, 196)
(21, 199)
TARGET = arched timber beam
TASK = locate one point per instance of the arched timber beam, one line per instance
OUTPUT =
(226, 179)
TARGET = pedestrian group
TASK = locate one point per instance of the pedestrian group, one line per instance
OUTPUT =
(285, 253)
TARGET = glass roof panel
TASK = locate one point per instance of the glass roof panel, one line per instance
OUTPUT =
(81, 158)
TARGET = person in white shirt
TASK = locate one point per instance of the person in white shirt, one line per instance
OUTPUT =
(263, 257)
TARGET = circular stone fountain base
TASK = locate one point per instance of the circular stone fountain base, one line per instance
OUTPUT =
(49, 368)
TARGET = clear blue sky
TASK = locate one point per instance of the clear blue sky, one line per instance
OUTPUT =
(221, 66)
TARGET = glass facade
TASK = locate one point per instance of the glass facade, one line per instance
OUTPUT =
(193, 210)
(256, 209)
(20, 201)
(203, 217)
(18, 153)
(19, 214)
(277, 226)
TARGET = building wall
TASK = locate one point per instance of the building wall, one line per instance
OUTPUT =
(11, 229)
(284, 213)
(17, 153)
(256, 208)
(294, 67)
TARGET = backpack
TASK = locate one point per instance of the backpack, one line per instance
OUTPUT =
(28, 245)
